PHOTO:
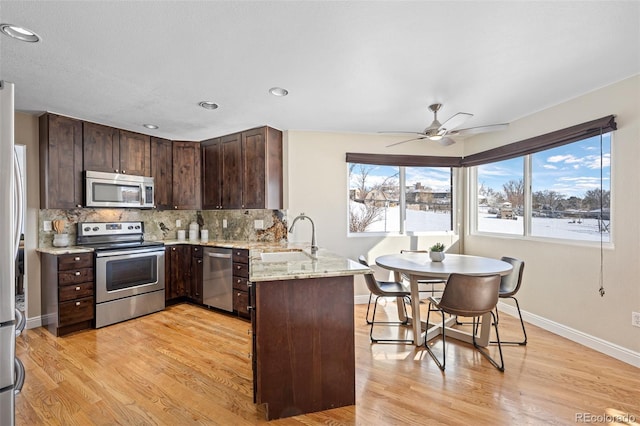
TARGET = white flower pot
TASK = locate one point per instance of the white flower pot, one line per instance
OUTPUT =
(436, 256)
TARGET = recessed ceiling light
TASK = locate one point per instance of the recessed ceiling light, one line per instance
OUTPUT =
(208, 105)
(19, 33)
(278, 91)
(150, 126)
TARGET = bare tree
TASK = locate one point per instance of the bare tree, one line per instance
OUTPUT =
(371, 199)
(514, 191)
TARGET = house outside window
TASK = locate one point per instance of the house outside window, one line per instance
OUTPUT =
(399, 199)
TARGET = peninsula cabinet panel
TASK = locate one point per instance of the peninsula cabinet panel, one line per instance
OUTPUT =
(101, 146)
(186, 175)
(162, 172)
(211, 174)
(60, 162)
(262, 168)
(135, 153)
(304, 355)
(231, 178)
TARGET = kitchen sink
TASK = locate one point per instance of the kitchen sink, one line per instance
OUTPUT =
(285, 256)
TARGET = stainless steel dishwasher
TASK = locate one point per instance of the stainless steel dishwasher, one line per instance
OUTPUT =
(217, 286)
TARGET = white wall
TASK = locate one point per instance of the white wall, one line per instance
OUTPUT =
(561, 280)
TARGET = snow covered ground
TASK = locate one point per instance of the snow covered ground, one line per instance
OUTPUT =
(429, 221)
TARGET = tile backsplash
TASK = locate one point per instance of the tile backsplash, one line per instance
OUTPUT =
(161, 224)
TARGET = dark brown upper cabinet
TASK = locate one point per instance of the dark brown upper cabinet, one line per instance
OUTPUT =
(61, 177)
(186, 175)
(107, 149)
(211, 174)
(243, 170)
(262, 168)
(162, 172)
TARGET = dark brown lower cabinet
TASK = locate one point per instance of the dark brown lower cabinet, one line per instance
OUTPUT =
(195, 291)
(303, 345)
(177, 272)
(67, 292)
(241, 282)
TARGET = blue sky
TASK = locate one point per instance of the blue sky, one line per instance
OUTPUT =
(571, 169)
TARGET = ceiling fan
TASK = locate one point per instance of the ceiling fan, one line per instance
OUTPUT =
(440, 132)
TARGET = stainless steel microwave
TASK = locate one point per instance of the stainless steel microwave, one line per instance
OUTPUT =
(118, 190)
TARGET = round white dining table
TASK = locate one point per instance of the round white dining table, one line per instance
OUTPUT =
(418, 265)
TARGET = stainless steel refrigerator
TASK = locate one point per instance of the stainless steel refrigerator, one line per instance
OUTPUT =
(11, 321)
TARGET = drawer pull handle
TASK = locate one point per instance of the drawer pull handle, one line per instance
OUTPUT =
(77, 258)
(77, 303)
(77, 273)
(77, 288)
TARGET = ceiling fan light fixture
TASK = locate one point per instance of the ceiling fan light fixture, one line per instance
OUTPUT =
(19, 33)
(435, 137)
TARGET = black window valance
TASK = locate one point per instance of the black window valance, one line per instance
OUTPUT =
(543, 142)
(403, 160)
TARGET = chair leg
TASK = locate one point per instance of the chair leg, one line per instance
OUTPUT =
(485, 353)
(524, 332)
(442, 364)
(368, 306)
(373, 322)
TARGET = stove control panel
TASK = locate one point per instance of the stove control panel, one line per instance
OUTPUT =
(88, 229)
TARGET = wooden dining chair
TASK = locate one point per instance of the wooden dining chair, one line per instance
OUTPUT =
(385, 289)
(467, 296)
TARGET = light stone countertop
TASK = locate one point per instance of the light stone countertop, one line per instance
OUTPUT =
(323, 264)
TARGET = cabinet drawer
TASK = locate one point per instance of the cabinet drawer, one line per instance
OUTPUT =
(77, 291)
(241, 302)
(75, 261)
(241, 283)
(241, 256)
(240, 270)
(76, 311)
(75, 276)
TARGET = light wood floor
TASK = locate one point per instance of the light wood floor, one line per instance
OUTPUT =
(187, 365)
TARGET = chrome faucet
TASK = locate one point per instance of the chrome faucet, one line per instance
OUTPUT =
(302, 216)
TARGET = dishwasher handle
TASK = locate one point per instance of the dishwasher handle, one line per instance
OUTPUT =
(219, 255)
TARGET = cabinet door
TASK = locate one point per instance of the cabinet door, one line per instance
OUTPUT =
(101, 147)
(231, 150)
(180, 258)
(162, 172)
(135, 153)
(168, 281)
(262, 168)
(186, 175)
(195, 292)
(60, 162)
(211, 174)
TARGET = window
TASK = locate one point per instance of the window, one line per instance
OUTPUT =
(501, 197)
(377, 204)
(569, 198)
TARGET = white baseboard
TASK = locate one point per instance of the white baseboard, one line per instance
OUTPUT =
(34, 322)
(595, 343)
(362, 299)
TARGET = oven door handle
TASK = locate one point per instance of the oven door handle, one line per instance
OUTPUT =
(129, 252)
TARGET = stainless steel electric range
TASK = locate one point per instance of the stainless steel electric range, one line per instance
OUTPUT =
(129, 272)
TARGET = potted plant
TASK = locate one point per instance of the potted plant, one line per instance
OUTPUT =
(436, 252)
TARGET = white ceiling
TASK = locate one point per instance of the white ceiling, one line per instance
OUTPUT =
(350, 66)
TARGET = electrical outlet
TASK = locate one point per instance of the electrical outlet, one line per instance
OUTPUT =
(635, 319)
(178, 223)
(224, 223)
(46, 225)
(258, 224)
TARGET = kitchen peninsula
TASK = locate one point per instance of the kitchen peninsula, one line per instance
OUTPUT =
(303, 331)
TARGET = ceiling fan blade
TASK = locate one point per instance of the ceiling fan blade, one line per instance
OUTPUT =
(455, 121)
(408, 140)
(399, 132)
(479, 129)
(446, 141)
